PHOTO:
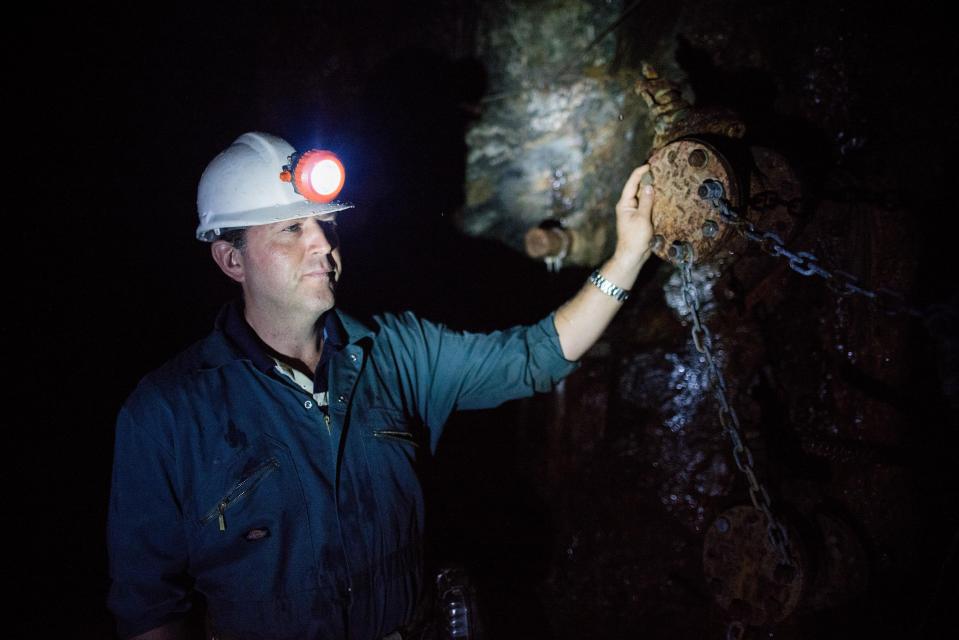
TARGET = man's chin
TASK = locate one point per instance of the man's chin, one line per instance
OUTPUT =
(324, 304)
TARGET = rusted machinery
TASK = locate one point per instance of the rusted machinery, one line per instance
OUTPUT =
(713, 195)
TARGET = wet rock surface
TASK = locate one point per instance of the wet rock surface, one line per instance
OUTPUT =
(558, 132)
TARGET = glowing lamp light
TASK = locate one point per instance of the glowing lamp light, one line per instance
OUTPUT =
(316, 175)
(327, 177)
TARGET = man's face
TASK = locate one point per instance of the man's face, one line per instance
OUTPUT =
(291, 267)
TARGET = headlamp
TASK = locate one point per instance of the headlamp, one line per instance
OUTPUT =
(316, 175)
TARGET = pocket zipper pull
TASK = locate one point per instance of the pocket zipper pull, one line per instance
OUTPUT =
(221, 519)
(326, 419)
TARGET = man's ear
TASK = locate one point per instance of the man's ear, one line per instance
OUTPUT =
(229, 259)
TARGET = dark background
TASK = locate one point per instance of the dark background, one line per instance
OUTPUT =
(121, 110)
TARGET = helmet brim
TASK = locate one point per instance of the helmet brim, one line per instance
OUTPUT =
(267, 215)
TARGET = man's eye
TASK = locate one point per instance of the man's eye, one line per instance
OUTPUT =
(293, 228)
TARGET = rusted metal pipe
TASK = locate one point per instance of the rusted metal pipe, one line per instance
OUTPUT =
(556, 244)
(548, 241)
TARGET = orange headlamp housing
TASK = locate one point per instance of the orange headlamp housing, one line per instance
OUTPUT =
(316, 175)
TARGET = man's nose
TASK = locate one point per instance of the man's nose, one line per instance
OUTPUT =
(320, 235)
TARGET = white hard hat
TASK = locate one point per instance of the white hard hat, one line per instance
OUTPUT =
(249, 184)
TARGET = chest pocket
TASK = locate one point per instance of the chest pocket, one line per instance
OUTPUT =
(397, 435)
(389, 427)
(253, 474)
(250, 520)
(396, 449)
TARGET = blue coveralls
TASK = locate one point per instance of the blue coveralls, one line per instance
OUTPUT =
(292, 522)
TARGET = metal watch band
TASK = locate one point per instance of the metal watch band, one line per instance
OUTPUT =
(607, 287)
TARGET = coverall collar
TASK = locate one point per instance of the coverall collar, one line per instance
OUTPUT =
(339, 329)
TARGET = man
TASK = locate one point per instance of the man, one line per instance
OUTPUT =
(270, 467)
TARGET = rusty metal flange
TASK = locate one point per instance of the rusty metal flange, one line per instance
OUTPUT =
(744, 572)
(679, 213)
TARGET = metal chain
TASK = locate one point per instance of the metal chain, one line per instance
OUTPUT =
(743, 457)
(804, 262)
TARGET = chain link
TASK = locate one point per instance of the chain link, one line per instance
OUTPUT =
(804, 262)
(742, 456)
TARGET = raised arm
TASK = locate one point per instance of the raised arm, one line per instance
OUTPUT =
(581, 320)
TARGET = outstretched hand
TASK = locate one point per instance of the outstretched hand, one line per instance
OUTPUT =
(634, 227)
(582, 320)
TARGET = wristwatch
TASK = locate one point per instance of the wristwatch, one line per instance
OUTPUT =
(607, 287)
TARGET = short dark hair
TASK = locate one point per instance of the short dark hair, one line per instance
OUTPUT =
(235, 236)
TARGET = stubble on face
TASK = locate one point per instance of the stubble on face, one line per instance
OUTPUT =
(291, 269)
